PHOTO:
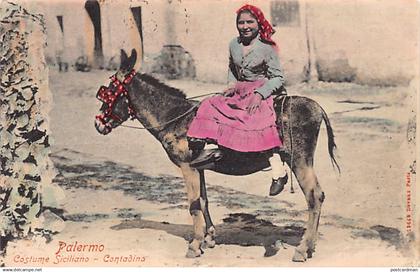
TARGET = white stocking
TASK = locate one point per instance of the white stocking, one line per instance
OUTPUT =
(278, 169)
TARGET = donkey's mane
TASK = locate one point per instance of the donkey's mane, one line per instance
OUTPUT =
(162, 86)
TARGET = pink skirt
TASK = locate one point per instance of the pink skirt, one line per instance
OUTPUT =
(226, 121)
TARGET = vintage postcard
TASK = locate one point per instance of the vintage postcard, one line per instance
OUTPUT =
(179, 133)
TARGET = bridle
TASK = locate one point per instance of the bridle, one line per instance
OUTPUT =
(109, 97)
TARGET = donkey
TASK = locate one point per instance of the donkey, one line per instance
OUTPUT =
(166, 114)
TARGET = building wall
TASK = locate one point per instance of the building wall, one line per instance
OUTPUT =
(119, 30)
(378, 38)
(367, 41)
(70, 44)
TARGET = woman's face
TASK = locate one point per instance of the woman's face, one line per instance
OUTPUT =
(247, 25)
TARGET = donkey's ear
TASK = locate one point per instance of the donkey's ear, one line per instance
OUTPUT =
(132, 60)
(123, 60)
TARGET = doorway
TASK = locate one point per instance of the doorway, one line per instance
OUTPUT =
(136, 11)
(93, 9)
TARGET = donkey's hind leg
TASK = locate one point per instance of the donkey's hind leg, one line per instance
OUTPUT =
(210, 230)
(192, 181)
(314, 198)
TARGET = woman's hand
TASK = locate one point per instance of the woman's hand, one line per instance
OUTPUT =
(254, 103)
(230, 91)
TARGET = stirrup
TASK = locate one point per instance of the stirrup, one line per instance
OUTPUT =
(206, 156)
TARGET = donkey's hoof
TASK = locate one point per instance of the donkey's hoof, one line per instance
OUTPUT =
(211, 231)
(191, 253)
(299, 256)
(309, 253)
(208, 242)
(211, 243)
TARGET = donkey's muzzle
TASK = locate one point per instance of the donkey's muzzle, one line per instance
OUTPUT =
(101, 127)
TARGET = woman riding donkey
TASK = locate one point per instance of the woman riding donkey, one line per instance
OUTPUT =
(243, 118)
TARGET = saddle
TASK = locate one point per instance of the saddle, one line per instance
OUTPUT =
(280, 92)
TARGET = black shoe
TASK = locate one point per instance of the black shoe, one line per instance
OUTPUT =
(207, 156)
(277, 185)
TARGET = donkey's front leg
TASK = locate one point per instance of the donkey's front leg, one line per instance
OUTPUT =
(192, 181)
(209, 241)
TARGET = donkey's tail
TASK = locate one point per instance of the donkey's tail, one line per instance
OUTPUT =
(331, 143)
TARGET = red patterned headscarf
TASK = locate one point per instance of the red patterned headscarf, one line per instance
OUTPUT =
(266, 30)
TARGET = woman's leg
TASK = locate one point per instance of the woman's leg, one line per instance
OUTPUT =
(278, 171)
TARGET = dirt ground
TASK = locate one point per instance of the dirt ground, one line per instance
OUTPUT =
(122, 192)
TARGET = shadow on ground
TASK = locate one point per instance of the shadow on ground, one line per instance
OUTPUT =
(237, 229)
(79, 170)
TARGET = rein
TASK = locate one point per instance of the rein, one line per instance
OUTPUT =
(109, 97)
(166, 123)
(292, 190)
(176, 118)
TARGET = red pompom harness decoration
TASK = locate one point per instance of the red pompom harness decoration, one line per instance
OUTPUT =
(109, 97)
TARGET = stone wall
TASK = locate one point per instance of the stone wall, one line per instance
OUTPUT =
(25, 169)
(174, 62)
